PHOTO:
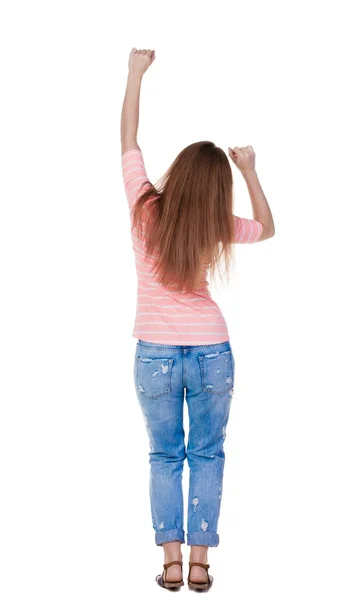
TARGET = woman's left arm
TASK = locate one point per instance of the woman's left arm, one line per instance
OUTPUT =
(139, 62)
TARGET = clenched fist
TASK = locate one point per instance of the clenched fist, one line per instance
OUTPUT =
(140, 60)
(244, 158)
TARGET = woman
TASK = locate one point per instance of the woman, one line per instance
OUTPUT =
(180, 230)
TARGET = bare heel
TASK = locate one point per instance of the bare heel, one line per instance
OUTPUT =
(197, 585)
(161, 579)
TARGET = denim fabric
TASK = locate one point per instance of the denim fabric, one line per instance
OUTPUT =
(164, 376)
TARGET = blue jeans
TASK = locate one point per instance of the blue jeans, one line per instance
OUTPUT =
(164, 375)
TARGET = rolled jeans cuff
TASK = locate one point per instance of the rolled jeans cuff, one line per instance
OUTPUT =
(202, 538)
(171, 535)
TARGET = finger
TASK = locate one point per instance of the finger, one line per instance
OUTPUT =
(153, 55)
(238, 151)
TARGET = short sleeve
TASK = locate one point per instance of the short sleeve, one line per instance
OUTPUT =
(247, 231)
(134, 174)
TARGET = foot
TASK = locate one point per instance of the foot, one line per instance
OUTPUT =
(198, 574)
(174, 572)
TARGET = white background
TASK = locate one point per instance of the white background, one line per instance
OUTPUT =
(75, 514)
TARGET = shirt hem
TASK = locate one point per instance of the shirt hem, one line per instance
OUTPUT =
(181, 341)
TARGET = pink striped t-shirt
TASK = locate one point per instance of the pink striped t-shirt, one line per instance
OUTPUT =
(165, 316)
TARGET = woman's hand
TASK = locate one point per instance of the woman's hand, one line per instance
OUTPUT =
(140, 60)
(244, 158)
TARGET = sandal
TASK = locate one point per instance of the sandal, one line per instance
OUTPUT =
(161, 579)
(199, 585)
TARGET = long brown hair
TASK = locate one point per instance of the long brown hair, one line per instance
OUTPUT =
(188, 217)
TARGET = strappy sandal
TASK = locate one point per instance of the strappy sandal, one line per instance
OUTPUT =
(197, 585)
(161, 579)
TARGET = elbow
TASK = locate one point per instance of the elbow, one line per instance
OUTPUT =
(267, 232)
(269, 228)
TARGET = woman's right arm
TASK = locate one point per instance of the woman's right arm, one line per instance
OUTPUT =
(244, 159)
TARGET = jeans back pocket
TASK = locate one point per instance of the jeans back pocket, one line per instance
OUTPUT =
(217, 372)
(153, 376)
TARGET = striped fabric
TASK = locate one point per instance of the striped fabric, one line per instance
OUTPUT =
(166, 316)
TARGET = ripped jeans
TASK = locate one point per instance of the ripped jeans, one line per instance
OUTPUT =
(164, 375)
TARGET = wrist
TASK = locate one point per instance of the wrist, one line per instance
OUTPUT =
(247, 174)
(136, 76)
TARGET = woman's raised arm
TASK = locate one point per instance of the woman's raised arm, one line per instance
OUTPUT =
(244, 159)
(139, 62)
